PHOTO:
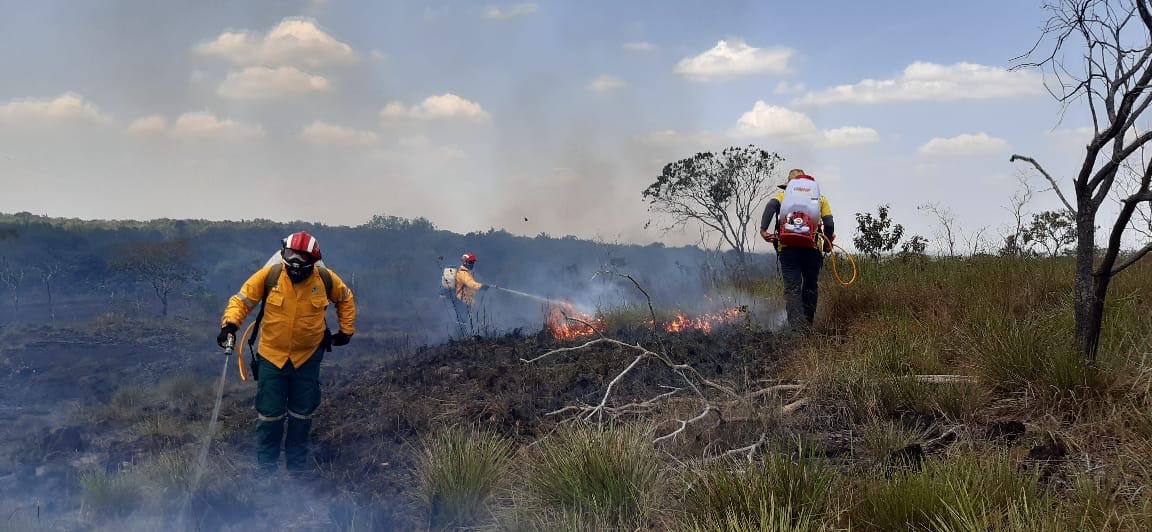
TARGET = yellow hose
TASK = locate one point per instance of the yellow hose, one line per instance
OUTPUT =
(835, 272)
(240, 352)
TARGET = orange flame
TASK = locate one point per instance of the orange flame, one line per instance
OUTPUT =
(562, 328)
(704, 322)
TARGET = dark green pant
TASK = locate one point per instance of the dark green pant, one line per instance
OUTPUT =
(286, 394)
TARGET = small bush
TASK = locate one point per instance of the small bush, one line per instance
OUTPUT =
(1036, 355)
(108, 494)
(604, 473)
(458, 471)
(729, 493)
(767, 516)
(931, 495)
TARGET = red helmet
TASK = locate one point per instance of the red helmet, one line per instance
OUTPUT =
(302, 242)
(468, 258)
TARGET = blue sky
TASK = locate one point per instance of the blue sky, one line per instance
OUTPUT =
(479, 115)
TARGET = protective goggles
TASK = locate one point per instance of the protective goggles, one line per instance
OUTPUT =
(297, 258)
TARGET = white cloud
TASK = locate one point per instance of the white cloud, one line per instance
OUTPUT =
(321, 133)
(68, 107)
(640, 46)
(850, 136)
(294, 41)
(606, 83)
(773, 121)
(932, 82)
(517, 10)
(263, 83)
(734, 59)
(149, 125)
(445, 106)
(977, 144)
(378, 56)
(205, 125)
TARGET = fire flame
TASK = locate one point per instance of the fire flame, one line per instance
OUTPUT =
(562, 328)
(704, 322)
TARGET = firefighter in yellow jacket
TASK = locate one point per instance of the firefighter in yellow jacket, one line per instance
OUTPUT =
(466, 288)
(799, 248)
(293, 339)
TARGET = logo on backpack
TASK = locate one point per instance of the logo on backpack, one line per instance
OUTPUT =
(448, 279)
(798, 230)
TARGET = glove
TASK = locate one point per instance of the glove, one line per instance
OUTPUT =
(340, 338)
(229, 329)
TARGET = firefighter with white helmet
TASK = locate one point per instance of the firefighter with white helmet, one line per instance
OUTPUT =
(293, 337)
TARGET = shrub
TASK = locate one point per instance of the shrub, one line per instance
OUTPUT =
(458, 471)
(945, 494)
(109, 494)
(606, 473)
(773, 489)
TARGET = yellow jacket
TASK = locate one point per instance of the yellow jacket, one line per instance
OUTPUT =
(466, 286)
(293, 324)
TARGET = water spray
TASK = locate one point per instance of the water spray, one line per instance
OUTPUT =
(202, 460)
(551, 302)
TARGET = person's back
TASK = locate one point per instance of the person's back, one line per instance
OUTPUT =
(803, 228)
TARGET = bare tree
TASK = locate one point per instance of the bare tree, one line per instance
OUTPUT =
(165, 266)
(721, 192)
(949, 230)
(1113, 41)
(1013, 238)
(12, 275)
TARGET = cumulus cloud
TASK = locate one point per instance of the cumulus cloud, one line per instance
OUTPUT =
(734, 59)
(205, 125)
(68, 107)
(966, 144)
(149, 125)
(517, 10)
(773, 121)
(294, 41)
(444, 106)
(605, 83)
(263, 83)
(932, 82)
(785, 87)
(322, 133)
(640, 46)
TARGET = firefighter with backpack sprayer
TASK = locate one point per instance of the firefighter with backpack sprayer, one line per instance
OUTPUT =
(293, 338)
(803, 231)
(462, 290)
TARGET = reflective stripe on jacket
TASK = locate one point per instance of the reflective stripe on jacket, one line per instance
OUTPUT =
(293, 323)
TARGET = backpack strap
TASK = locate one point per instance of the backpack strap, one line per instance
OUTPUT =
(270, 282)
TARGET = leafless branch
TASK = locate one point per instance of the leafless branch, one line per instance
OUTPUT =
(684, 424)
(1043, 172)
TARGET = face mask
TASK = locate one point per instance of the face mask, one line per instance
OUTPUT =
(298, 271)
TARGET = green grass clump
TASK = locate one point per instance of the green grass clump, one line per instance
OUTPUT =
(110, 494)
(776, 489)
(940, 494)
(767, 516)
(458, 471)
(1031, 354)
(605, 473)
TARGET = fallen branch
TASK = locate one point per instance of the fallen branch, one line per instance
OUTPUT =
(777, 389)
(945, 379)
(794, 406)
(684, 424)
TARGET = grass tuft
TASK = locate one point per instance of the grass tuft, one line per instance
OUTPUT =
(458, 471)
(777, 489)
(609, 474)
